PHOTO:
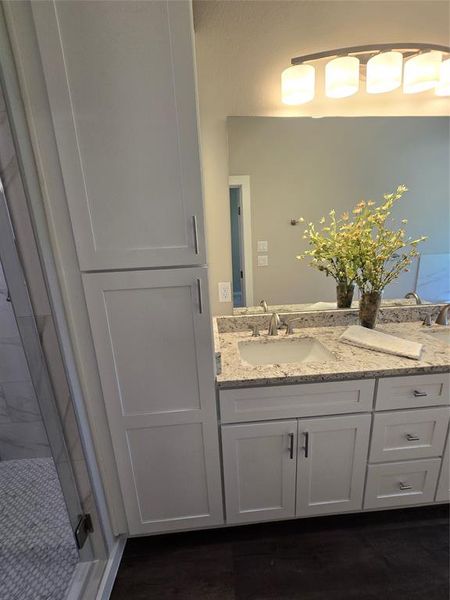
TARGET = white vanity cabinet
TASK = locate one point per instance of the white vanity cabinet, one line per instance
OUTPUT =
(322, 448)
(152, 337)
(120, 80)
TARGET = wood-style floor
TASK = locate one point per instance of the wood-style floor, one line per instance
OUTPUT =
(392, 555)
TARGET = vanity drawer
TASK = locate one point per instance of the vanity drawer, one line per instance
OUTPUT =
(401, 483)
(409, 434)
(412, 391)
(302, 400)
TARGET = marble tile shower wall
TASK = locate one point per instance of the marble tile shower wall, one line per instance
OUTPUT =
(22, 433)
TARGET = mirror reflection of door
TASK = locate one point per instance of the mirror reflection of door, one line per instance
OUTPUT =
(237, 250)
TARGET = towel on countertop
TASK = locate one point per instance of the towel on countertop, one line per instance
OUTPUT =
(382, 342)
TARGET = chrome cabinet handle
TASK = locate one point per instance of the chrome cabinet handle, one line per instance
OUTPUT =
(200, 297)
(404, 486)
(306, 446)
(195, 228)
(291, 445)
(419, 394)
(412, 437)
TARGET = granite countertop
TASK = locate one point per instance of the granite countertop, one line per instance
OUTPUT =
(351, 362)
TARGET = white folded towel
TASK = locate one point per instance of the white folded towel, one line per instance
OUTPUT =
(382, 342)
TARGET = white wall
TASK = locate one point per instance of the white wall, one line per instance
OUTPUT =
(305, 167)
(243, 46)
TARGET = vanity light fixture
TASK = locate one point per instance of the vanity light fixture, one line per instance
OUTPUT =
(421, 66)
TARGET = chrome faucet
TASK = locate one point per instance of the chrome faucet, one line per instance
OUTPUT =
(263, 303)
(414, 295)
(274, 324)
(442, 318)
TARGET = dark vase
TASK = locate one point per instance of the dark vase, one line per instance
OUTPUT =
(344, 295)
(369, 306)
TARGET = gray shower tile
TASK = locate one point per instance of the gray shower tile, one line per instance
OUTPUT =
(23, 440)
(18, 402)
(13, 365)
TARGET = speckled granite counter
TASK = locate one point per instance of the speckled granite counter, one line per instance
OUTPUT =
(351, 362)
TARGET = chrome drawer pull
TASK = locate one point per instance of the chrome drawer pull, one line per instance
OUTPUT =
(404, 486)
(419, 394)
(200, 296)
(195, 228)
(306, 446)
(412, 437)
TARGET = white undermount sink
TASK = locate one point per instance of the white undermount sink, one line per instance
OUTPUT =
(298, 350)
(443, 335)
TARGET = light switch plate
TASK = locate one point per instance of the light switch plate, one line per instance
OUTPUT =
(262, 246)
(224, 291)
(263, 260)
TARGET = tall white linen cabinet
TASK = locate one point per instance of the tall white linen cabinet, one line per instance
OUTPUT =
(120, 79)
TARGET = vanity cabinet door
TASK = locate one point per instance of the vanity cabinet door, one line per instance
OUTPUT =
(152, 337)
(120, 79)
(443, 489)
(259, 470)
(331, 467)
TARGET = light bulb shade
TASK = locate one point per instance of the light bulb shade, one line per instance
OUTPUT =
(297, 84)
(443, 86)
(342, 77)
(384, 72)
(422, 72)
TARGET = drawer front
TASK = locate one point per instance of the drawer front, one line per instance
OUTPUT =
(409, 434)
(413, 391)
(303, 400)
(401, 483)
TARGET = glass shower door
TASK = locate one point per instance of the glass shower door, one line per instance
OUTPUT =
(39, 503)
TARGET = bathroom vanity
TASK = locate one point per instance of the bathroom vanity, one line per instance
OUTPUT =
(361, 431)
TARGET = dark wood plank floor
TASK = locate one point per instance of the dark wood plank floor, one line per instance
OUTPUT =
(392, 555)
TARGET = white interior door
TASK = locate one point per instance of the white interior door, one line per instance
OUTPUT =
(331, 464)
(152, 338)
(120, 78)
(259, 470)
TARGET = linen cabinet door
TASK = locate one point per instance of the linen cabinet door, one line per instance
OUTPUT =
(259, 470)
(120, 79)
(153, 344)
(331, 464)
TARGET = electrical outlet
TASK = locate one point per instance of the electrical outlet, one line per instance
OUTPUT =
(224, 291)
(262, 246)
(263, 260)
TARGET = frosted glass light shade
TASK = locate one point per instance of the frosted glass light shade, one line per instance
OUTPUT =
(384, 72)
(297, 84)
(422, 72)
(443, 86)
(342, 77)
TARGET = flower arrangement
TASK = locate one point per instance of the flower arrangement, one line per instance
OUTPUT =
(367, 250)
(380, 253)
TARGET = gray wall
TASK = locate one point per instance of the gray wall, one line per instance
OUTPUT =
(305, 167)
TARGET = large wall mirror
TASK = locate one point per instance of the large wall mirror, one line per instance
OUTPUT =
(284, 168)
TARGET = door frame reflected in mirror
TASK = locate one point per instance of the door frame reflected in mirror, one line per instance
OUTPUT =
(245, 258)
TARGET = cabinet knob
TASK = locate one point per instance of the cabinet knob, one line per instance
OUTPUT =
(412, 437)
(404, 486)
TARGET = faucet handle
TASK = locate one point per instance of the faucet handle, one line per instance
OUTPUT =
(427, 321)
(254, 328)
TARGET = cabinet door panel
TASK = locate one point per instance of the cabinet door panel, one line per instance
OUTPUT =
(259, 470)
(154, 354)
(331, 464)
(121, 84)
